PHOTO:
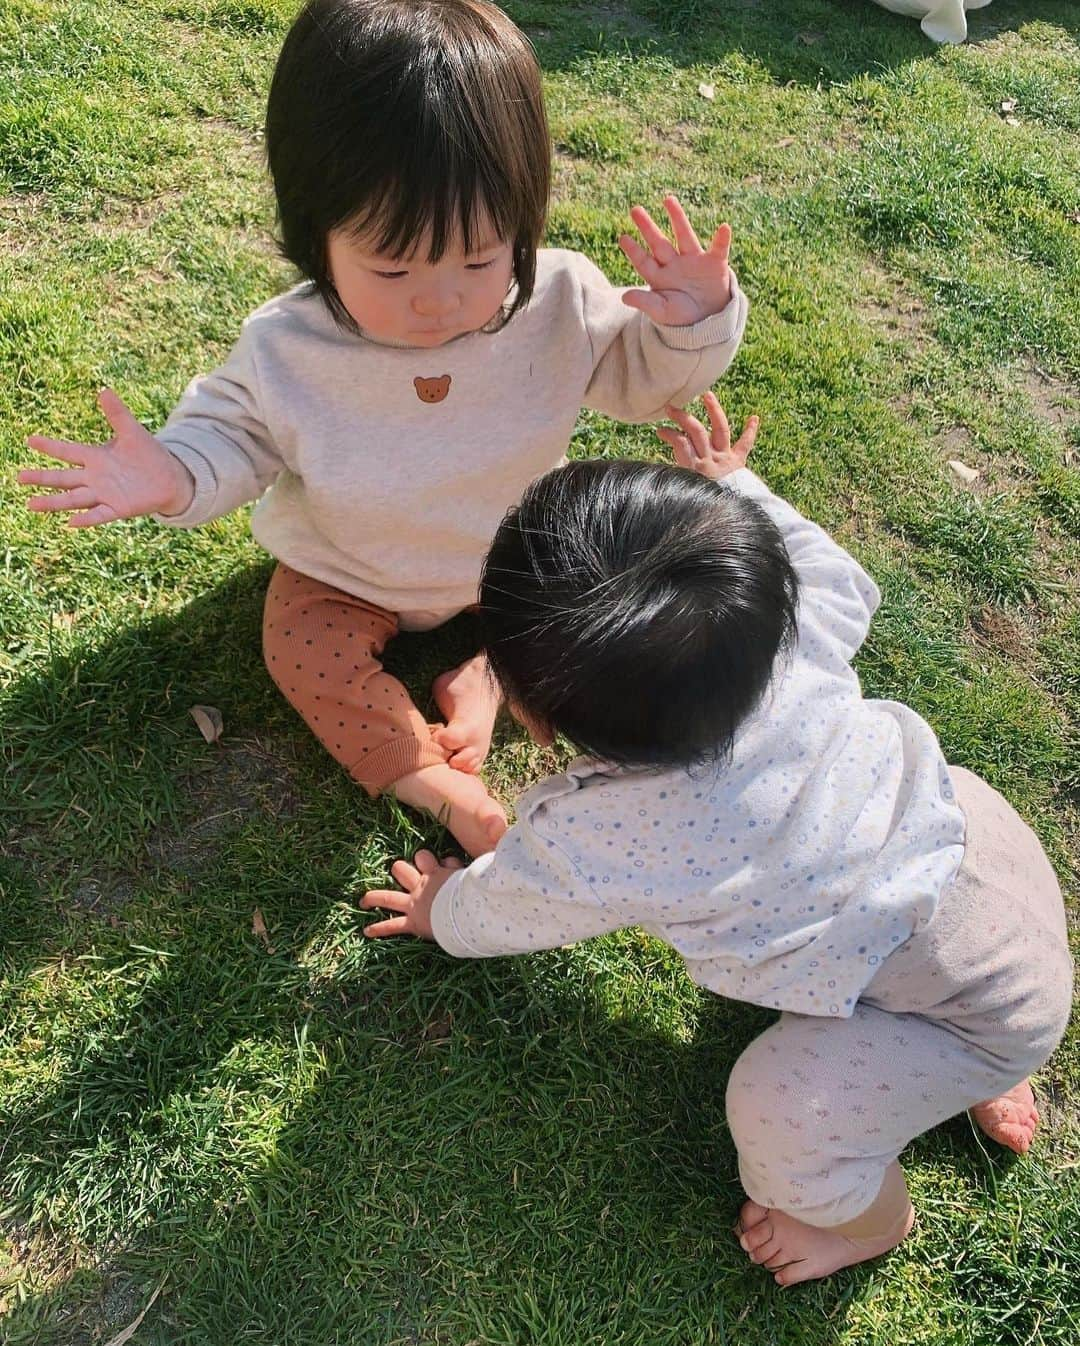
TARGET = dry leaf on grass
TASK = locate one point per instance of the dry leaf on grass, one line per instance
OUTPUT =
(707, 91)
(810, 37)
(259, 930)
(439, 1029)
(1007, 105)
(1012, 121)
(209, 720)
(966, 476)
(783, 144)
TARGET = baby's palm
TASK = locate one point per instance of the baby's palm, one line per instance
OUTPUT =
(687, 282)
(130, 475)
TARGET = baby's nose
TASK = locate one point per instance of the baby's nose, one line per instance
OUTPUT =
(436, 303)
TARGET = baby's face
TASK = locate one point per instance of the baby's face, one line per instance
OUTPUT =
(414, 301)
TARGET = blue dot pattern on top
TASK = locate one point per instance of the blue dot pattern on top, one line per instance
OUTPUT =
(784, 877)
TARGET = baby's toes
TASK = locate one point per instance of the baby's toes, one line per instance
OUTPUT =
(768, 1254)
(1016, 1136)
(752, 1240)
(494, 823)
(751, 1214)
(790, 1274)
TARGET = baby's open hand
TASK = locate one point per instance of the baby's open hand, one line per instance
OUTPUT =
(709, 454)
(687, 282)
(130, 475)
(420, 881)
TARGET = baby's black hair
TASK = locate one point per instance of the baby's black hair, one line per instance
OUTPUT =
(638, 609)
(408, 121)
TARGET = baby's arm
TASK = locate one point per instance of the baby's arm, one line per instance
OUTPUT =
(213, 455)
(837, 598)
(524, 895)
(684, 331)
(218, 431)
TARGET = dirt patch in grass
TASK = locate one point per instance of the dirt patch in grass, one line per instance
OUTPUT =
(1001, 632)
(618, 20)
(18, 216)
(123, 217)
(239, 782)
(675, 138)
(1055, 400)
(42, 1260)
(957, 445)
(252, 141)
(564, 171)
(36, 1257)
(889, 307)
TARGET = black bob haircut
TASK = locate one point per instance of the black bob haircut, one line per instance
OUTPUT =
(638, 609)
(408, 120)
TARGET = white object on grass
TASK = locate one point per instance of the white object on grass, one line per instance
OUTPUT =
(942, 20)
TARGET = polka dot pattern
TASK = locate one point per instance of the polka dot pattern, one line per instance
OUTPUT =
(330, 642)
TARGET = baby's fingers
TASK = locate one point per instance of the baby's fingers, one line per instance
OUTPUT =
(115, 410)
(640, 259)
(60, 478)
(655, 239)
(720, 438)
(88, 518)
(721, 242)
(396, 925)
(404, 873)
(81, 498)
(63, 449)
(681, 448)
(685, 237)
(389, 899)
(745, 442)
(692, 428)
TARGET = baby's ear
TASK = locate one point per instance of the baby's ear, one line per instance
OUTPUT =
(540, 731)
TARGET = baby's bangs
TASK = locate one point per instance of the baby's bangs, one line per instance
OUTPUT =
(444, 176)
(411, 209)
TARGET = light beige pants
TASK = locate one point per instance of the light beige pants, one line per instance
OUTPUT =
(819, 1108)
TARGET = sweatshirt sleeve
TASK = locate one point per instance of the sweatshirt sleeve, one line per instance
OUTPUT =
(640, 366)
(219, 433)
(525, 895)
(837, 598)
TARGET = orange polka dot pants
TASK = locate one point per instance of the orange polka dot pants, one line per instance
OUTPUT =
(322, 648)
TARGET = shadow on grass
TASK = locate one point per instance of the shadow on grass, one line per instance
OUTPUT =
(469, 1148)
(412, 1149)
(111, 792)
(306, 1136)
(806, 42)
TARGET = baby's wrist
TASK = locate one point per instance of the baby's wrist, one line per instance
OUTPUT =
(184, 490)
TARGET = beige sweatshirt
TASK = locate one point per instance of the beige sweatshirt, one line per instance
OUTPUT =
(385, 470)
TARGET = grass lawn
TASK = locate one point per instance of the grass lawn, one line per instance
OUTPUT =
(296, 1136)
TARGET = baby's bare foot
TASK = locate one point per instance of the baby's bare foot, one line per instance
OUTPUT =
(796, 1252)
(468, 702)
(1011, 1118)
(461, 802)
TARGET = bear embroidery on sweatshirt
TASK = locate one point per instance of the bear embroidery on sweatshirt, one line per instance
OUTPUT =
(432, 390)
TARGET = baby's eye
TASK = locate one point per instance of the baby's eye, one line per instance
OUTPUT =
(480, 266)
(391, 275)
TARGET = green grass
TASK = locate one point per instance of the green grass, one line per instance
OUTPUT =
(313, 1139)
